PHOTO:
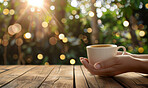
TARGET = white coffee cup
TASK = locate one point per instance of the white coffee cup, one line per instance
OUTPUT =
(97, 53)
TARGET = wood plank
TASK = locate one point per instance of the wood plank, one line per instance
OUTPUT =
(92, 83)
(107, 82)
(80, 80)
(31, 79)
(2, 66)
(132, 80)
(7, 67)
(10, 75)
(95, 81)
(61, 76)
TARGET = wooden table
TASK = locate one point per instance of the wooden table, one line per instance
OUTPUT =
(65, 76)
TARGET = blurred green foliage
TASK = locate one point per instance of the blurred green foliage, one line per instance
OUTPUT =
(73, 22)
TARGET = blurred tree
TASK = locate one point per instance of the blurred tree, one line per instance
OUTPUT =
(95, 29)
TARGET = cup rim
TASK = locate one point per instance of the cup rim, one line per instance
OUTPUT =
(90, 46)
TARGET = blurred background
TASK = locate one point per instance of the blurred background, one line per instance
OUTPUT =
(46, 32)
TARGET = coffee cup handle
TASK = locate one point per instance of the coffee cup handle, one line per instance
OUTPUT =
(124, 49)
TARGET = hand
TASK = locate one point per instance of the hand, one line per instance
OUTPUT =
(120, 53)
(113, 66)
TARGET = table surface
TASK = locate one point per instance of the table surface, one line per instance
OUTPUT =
(65, 76)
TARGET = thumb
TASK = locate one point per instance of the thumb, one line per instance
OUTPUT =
(105, 63)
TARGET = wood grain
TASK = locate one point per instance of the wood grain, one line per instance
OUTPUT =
(65, 76)
(31, 79)
(10, 75)
(132, 80)
(92, 83)
(95, 81)
(60, 77)
(80, 80)
(6, 68)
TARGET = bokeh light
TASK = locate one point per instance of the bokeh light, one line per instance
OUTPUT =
(46, 63)
(103, 9)
(40, 56)
(117, 35)
(52, 7)
(61, 36)
(10, 30)
(27, 35)
(89, 30)
(62, 57)
(5, 42)
(130, 48)
(91, 13)
(6, 37)
(65, 40)
(107, 6)
(5, 3)
(53, 40)
(77, 16)
(13, 29)
(19, 42)
(12, 12)
(126, 23)
(97, 4)
(36, 3)
(6, 11)
(141, 33)
(16, 28)
(74, 12)
(63, 20)
(29, 59)
(72, 61)
(74, 3)
(15, 56)
(32, 9)
(70, 17)
(44, 24)
(140, 50)
(146, 5)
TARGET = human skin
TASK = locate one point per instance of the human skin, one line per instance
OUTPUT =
(118, 64)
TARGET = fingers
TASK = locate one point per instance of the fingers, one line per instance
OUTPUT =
(86, 64)
(112, 71)
(106, 63)
(81, 58)
(119, 53)
(108, 71)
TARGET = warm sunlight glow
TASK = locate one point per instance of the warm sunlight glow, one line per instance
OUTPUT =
(61, 36)
(126, 23)
(35, 3)
(89, 30)
(40, 56)
(62, 57)
(27, 35)
(142, 33)
(91, 13)
(140, 50)
(65, 40)
(72, 61)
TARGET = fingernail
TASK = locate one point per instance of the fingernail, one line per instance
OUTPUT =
(84, 61)
(81, 58)
(97, 66)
